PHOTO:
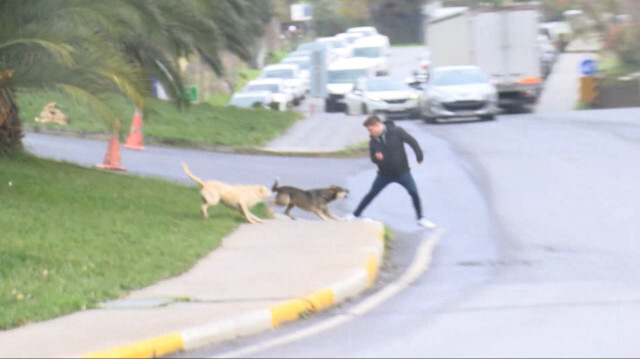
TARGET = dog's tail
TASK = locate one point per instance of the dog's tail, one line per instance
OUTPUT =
(275, 187)
(191, 175)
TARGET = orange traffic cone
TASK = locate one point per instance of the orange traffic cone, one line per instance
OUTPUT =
(134, 141)
(112, 158)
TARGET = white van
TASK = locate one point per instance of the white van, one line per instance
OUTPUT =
(341, 76)
(376, 48)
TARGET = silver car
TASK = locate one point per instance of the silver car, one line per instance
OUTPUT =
(454, 92)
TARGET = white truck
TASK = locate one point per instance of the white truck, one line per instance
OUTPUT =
(502, 41)
(341, 76)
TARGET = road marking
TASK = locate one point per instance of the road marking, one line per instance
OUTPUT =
(419, 265)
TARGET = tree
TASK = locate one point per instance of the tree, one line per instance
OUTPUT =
(40, 49)
(87, 48)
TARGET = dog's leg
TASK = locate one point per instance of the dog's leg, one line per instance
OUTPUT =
(256, 218)
(288, 211)
(328, 213)
(248, 215)
(320, 214)
(209, 198)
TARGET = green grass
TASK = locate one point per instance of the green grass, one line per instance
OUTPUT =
(244, 76)
(165, 123)
(73, 237)
(613, 68)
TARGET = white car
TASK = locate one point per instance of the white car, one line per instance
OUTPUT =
(374, 47)
(458, 92)
(339, 46)
(277, 87)
(421, 73)
(383, 94)
(341, 77)
(364, 30)
(349, 37)
(304, 68)
(290, 74)
(330, 56)
(257, 99)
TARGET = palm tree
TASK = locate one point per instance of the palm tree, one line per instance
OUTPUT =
(86, 48)
(40, 48)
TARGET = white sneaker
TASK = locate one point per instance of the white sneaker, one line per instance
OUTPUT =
(349, 217)
(426, 223)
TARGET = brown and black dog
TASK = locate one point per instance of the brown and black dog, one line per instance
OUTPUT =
(313, 200)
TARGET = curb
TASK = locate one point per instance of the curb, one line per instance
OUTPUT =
(258, 320)
(347, 152)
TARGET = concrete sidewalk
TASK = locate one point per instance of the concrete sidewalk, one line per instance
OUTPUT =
(261, 276)
(561, 89)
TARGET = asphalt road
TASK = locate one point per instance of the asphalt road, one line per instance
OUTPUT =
(540, 254)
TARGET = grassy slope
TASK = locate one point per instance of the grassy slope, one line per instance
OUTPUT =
(201, 123)
(73, 237)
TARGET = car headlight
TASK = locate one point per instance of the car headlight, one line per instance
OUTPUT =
(414, 96)
(373, 98)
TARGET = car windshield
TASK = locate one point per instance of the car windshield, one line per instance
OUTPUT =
(338, 43)
(345, 76)
(385, 85)
(364, 32)
(306, 46)
(278, 74)
(246, 101)
(367, 52)
(262, 87)
(458, 77)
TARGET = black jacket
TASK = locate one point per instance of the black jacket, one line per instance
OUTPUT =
(394, 161)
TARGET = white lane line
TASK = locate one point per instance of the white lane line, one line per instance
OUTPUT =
(420, 263)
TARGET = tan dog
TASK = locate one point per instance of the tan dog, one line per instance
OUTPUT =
(52, 113)
(238, 197)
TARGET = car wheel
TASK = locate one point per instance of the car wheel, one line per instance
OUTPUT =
(429, 119)
(488, 117)
(364, 109)
(329, 106)
(347, 110)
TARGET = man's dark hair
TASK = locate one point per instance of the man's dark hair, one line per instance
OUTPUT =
(372, 120)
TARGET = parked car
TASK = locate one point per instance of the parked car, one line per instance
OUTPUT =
(292, 79)
(281, 95)
(458, 91)
(330, 56)
(304, 65)
(421, 73)
(341, 76)
(364, 30)
(382, 94)
(349, 37)
(339, 46)
(257, 99)
(374, 47)
(548, 55)
(299, 53)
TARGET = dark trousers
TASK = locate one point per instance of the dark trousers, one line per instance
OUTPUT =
(405, 180)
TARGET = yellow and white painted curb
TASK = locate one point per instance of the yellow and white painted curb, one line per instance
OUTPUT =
(259, 320)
